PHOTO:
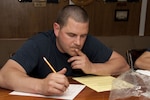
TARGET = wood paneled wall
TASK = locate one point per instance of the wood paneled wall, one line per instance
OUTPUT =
(147, 24)
(22, 20)
(103, 23)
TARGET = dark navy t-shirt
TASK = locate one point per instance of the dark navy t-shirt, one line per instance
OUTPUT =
(31, 54)
(148, 49)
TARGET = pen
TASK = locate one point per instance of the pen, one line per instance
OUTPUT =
(49, 65)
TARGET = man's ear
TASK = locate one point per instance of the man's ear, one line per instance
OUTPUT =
(56, 28)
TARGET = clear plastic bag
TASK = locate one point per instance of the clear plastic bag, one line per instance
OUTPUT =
(131, 84)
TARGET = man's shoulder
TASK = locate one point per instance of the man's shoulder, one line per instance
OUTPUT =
(47, 34)
(148, 49)
(92, 39)
(43, 36)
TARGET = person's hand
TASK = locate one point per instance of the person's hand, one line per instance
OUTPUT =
(55, 83)
(80, 61)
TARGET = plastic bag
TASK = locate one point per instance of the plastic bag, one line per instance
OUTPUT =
(131, 84)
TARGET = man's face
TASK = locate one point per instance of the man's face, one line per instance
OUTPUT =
(71, 36)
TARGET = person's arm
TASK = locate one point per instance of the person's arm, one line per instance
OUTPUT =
(143, 62)
(14, 77)
(114, 66)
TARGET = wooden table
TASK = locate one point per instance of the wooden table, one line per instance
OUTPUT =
(85, 94)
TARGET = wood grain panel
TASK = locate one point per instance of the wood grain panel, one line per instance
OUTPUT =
(103, 23)
(147, 24)
(22, 20)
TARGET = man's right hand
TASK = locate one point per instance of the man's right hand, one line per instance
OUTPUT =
(55, 83)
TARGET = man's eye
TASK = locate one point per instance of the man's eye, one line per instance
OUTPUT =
(72, 35)
(83, 36)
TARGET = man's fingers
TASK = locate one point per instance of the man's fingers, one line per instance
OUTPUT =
(63, 71)
(79, 52)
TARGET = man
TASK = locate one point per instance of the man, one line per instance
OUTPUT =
(70, 50)
(143, 62)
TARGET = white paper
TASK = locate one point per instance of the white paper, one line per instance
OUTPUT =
(146, 94)
(72, 91)
(145, 72)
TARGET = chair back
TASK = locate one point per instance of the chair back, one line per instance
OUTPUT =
(132, 55)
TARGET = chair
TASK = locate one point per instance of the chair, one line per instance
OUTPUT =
(132, 55)
(11, 54)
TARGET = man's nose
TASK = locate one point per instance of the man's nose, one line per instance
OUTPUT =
(78, 41)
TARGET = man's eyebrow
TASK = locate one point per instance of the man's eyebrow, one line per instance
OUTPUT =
(71, 33)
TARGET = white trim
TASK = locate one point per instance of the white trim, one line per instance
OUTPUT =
(71, 3)
(142, 18)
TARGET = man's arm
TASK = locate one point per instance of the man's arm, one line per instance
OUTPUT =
(143, 61)
(114, 66)
(14, 77)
